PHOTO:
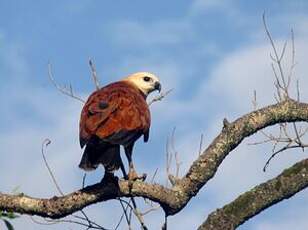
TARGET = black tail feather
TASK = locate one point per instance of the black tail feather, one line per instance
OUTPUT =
(85, 163)
(99, 152)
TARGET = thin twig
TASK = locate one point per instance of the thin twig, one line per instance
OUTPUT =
(137, 214)
(53, 222)
(63, 89)
(288, 146)
(201, 144)
(45, 143)
(154, 175)
(84, 180)
(254, 100)
(94, 74)
(277, 59)
(153, 208)
(161, 96)
(178, 164)
(282, 87)
(293, 64)
(297, 91)
(124, 214)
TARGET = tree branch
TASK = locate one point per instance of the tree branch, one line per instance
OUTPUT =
(205, 167)
(249, 204)
(174, 199)
(58, 207)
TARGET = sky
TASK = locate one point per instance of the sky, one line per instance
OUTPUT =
(213, 54)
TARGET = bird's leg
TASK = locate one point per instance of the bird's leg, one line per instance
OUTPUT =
(132, 174)
(109, 177)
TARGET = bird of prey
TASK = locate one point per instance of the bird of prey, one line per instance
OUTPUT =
(113, 116)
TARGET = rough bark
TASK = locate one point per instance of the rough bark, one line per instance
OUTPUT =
(174, 199)
(249, 204)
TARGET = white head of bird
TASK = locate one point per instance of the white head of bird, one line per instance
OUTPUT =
(145, 82)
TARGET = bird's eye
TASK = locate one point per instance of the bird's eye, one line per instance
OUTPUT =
(146, 78)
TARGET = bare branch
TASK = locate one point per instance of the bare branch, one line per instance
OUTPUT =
(277, 59)
(283, 50)
(84, 180)
(288, 146)
(254, 100)
(64, 90)
(128, 220)
(297, 91)
(170, 152)
(200, 145)
(45, 143)
(293, 64)
(160, 97)
(154, 175)
(94, 75)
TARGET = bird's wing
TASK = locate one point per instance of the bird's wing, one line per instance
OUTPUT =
(117, 113)
(95, 112)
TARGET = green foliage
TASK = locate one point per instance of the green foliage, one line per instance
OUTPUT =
(6, 217)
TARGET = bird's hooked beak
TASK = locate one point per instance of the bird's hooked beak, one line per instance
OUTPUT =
(157, 86)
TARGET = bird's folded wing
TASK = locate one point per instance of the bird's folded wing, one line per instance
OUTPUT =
(114, 110)
(94, 115)
(98, 116)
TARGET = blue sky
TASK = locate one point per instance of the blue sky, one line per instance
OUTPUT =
(213, 53)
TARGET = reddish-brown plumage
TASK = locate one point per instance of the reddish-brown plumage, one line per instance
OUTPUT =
(117, 113)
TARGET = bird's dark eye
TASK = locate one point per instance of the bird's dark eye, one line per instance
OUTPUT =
(146, 78)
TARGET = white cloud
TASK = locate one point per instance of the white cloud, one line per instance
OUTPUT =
(211, 4)
(228, 7)
(12, 63)
(165, 32)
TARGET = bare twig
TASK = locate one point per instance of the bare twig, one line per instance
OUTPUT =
(178, 164)
(277, 59)
(161, 96)
(168, 160)
(170, 153)
(151, 209)
(297, 91)
(136, 212)
(282, 87)
(94, 74)
(53, 222)
(45, 143)
(154, 175)
(76, 222)
(288, 146)
(201, 144)
(90, 223)
(128, 220)
(254, 100)
(293, 64)
(63, 89)
(84, 180)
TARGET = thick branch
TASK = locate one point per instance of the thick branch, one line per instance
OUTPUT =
(58, 207)
(174, 199)
(249, 204)
(205, 167)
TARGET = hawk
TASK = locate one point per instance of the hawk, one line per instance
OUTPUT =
(113, 116)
